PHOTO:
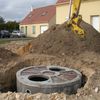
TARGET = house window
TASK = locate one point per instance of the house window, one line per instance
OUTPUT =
(22, 29)
(95, 21)
(33, 29)
(25, 29)
(44, 14)
(43, 28)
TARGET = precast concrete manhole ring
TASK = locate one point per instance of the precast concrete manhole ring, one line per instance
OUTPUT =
(48, 79)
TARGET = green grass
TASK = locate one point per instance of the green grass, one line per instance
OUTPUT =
(4, 41)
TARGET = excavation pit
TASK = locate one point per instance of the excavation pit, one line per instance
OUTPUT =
(48, 79)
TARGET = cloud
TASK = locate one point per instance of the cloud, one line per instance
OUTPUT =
(17, 9)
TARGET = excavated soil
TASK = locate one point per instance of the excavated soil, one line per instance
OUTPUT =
(57, 46)
(61, 40)
(14, 45)
(6, 56)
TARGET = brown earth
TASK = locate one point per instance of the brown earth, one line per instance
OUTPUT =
(6, 54)
(14, 45)
(57, 46)
(60, 40)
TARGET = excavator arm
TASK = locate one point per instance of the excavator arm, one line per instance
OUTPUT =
(74, 18)
(76, 7)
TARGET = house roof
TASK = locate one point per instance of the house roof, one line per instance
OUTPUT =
(39, 15)
(62, 1)
(67, 1)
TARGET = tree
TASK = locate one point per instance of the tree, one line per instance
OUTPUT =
(2, 20)
(12, 25)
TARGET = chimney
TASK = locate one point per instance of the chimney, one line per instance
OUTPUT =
(31, 8)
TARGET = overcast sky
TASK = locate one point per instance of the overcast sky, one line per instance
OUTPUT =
(17, 9)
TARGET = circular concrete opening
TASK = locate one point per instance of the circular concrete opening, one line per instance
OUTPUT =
(55, 69)
(48, 79)
(37, 78)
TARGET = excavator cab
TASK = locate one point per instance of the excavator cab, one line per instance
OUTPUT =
(74, 18)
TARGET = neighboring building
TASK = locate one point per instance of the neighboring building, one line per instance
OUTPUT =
(38, 20)
(90, 11)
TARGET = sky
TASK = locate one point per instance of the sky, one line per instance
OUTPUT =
(16, 10)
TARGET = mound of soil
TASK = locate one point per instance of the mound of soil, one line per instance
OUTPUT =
(6, 54)
(61, 40)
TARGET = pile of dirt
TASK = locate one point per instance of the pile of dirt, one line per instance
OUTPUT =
(6, 54)
(39, 96)
(61, 40)
(14, 45)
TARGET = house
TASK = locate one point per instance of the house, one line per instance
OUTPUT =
(90, 11)
(38, 21)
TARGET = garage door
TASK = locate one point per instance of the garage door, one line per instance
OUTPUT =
(43, 28)
(95, 22)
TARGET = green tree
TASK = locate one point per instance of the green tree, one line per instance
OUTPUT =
(12, 25)
(2, 20)
(2, 26)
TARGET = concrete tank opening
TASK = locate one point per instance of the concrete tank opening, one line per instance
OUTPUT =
(38, 78)
(55, 69)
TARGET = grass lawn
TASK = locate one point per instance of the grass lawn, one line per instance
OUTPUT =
(3, 41)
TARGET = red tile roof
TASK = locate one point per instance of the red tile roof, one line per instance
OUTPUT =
(39, 15)
(62, 1)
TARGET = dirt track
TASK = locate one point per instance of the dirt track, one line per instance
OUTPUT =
(57, 46)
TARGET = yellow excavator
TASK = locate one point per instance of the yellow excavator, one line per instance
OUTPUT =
(74, 18)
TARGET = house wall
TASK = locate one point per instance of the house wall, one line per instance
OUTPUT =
(88, 8)
(61, 13)
(52, 21)
(30, 29)
(37, 27)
